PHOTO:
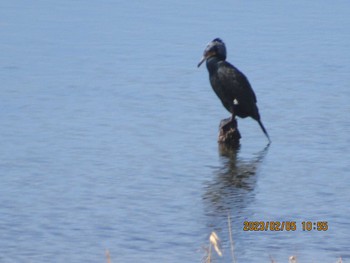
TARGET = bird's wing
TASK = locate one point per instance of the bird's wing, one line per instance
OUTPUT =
(235, 83)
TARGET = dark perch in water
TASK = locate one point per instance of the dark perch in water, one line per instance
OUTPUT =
(229, 133)
(233, 89)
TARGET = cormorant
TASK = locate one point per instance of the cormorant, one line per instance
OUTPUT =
(230, 85)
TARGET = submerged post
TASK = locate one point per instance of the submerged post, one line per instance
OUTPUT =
(228, 133)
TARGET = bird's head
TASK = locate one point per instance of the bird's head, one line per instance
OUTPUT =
(214, 48)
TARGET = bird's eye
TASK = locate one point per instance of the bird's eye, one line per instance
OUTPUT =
(215, 48)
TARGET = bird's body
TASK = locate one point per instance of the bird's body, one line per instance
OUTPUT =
(233, 89)
(230, 85)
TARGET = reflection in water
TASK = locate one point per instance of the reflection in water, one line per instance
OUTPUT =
(231, 190)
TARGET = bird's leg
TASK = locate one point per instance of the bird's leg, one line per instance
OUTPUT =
(233, 117)
(229, 123)
(233, 120)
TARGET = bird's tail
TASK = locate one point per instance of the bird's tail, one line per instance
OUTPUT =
(264, 130)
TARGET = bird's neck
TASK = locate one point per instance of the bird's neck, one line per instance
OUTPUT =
(213, 63)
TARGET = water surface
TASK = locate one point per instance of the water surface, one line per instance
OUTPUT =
(108, 131)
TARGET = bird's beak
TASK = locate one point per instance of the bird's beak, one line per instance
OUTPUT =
(201, 62)
(206, 55)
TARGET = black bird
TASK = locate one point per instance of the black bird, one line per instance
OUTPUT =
(230, 85)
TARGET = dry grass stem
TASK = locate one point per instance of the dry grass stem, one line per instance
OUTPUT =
(231, 238)
(293, 259)
(215, 242)
(108, 256)
(340, 260)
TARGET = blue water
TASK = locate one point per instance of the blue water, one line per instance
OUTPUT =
(108, 131)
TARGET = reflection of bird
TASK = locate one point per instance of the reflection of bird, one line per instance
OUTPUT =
(229, 84)
(232, 186)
